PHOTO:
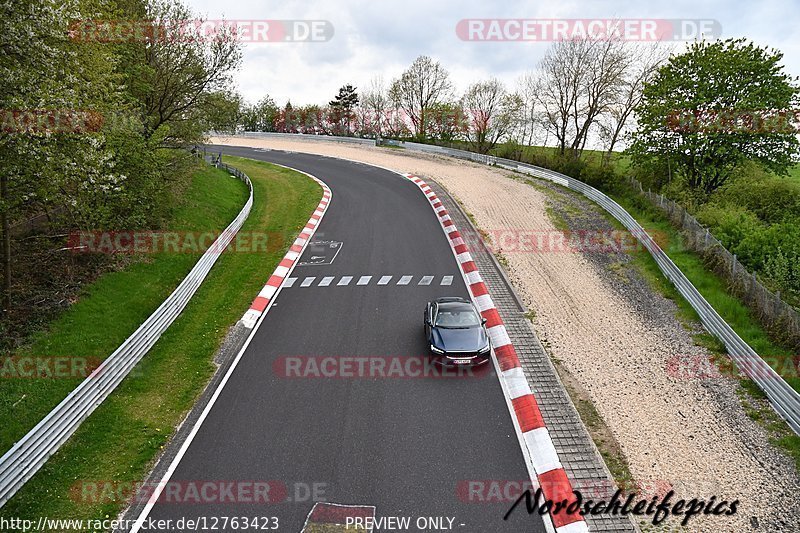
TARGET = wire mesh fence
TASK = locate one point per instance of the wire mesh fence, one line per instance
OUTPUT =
(776, 315)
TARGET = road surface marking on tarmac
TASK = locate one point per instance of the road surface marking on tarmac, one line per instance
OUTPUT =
(329, 281)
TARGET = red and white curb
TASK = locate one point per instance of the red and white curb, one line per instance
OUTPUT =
(252, 319)
(542, 455)
(287, 264)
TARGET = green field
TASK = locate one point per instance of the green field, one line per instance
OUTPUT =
(121, 439)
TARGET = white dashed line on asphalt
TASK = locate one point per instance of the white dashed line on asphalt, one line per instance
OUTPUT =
(344, 281)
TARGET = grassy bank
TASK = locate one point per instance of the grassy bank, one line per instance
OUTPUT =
(119, 442)
(96, 324)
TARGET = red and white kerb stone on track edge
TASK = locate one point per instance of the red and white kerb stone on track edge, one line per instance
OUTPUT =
(267, 294)
(526, 415)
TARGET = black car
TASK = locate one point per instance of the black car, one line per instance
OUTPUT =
(456, 333)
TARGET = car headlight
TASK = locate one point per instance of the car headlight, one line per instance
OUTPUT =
(434, 349)
(485, 349)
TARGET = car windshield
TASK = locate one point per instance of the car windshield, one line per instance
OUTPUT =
(457, 316)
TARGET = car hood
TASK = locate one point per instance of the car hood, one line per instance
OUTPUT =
(458, 340)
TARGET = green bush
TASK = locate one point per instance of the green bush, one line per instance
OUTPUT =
(771, 198)
(784, 269)
(756, 216)
(730, 224)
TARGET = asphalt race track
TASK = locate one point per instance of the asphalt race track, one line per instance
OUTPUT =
(406, 445)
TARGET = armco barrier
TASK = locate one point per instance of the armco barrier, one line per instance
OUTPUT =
(28, 454)
(784, 399)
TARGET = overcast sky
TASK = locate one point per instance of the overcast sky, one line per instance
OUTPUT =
(380, 37)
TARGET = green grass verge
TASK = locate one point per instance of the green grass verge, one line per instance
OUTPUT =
(121, 439)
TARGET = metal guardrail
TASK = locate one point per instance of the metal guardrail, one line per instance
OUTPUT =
(28, 454)
(784, 399)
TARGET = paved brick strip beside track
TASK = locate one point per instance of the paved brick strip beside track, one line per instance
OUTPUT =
(550, 473)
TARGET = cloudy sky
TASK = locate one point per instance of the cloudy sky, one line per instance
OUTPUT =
(379, 37)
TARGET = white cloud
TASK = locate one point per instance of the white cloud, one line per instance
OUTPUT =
(376, 37)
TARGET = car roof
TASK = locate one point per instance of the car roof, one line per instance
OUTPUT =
(445, 299)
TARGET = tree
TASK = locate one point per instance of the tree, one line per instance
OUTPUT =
(93, 157)
(530, 119)
(579, 82)
(180, 69)
(37, 68)
(261, 116)
(287, 121)
(223, 111)
(375, 105)
(342, 107)
(446, 121)
(491, 113)
(424, 84)
(558, 88)
(727, 91)
(629, 95)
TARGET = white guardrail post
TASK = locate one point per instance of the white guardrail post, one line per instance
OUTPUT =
(28, 454)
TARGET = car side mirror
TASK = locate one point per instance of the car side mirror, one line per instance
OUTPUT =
(483, 321)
